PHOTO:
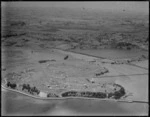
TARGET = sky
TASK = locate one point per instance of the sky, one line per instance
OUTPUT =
(142, 6)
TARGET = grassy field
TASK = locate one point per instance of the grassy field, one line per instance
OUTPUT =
(63, 49)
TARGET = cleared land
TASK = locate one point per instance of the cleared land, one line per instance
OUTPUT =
(80, 54)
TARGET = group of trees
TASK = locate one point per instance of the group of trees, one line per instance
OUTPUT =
(69, 93)
(9, 35)
(126, 45)
(25, 40)
(20, 23)
(117, 94)
(84, 94)
(52, 95)
(43, 61)
(12, 35)
(30, 89)
(9, 43)
(93, 94)
(25, 86)
(102, 72)
(12, 85)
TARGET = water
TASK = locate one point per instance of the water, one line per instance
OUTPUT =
(113, 53)
(18, 104)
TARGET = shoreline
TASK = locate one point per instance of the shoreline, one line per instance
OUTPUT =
(92, 57)
(64, 98)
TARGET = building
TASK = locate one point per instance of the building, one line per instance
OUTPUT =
(42, 94)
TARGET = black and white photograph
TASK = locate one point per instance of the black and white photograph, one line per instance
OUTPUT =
(77, 58)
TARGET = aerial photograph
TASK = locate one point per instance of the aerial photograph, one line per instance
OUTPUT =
(75, 58)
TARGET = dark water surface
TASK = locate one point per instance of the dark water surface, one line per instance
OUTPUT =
(113, 53)
(18, 104)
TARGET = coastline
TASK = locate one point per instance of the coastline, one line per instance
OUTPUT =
(63, 98)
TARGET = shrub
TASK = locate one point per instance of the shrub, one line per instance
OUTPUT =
(66, 57)
(34, 89)
(8, 84)
(43, 61)
(26, 86)
(13, 86)
(100, 95)
(110, 95)
(69, 93)
(52, 95)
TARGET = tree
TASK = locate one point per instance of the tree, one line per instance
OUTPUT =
(8, 84)
(11, 85)
(24, 86)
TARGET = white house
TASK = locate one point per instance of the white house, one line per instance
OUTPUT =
(42, 94)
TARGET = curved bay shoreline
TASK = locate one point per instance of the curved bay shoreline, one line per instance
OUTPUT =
(117, 94)
(63, 98)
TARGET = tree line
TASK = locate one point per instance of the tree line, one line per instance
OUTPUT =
(30, 89)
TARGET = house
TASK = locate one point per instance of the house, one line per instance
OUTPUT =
(42, 94)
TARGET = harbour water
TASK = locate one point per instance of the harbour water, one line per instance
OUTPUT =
(17, 104)
(113, 53)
